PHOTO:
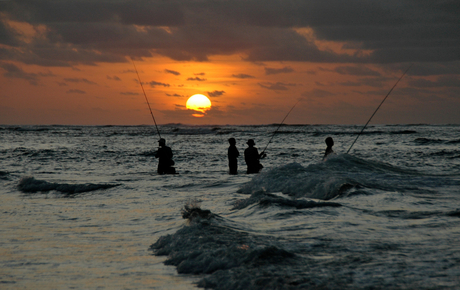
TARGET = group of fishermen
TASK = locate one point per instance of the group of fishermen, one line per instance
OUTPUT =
(251, 157)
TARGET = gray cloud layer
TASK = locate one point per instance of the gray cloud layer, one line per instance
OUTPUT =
(80, 31)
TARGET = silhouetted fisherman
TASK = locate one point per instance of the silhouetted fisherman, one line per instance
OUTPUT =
(329, 151)
(164, 155)
(232, 156)
(252, 157)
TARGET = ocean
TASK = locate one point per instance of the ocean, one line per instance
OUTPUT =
(82, 207)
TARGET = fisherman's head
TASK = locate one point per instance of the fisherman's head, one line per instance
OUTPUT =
(162, 142)
(251, 142)
(232, 141)
(329, 142)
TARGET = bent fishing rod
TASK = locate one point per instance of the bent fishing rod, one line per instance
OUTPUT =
(158, 131)
(279, 127)
(378, 108)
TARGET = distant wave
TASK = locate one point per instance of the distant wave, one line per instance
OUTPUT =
(148, 153)
(426, 141)
(4, 174)
(194, 131)
(452, 154)
(404, 132)
(38, 152)
(26, 128)
(369, 132)
(376, 132)
(454, 213)
(457, 141)
(267, 199)
(31, 185)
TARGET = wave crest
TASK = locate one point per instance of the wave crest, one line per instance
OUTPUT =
(29, 184)
(314, 181)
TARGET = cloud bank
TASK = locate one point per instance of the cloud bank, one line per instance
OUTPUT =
(65, 33)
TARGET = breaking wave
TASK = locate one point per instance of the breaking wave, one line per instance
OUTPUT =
(230, 258)
(341, 175)
(31, 185)
(298, 181)
(234, 259)
(267, 199)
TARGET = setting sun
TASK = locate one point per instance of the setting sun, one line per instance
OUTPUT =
(199, 103)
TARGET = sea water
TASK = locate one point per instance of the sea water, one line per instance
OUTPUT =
(83, 208)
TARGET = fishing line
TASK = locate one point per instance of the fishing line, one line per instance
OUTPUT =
(158, 131)
(279, 126)
(379, 107)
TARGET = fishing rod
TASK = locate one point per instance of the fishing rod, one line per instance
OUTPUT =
(379, 107)
(279, 126)
(158, 131)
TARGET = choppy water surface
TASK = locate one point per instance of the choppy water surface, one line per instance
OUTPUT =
(83, 208)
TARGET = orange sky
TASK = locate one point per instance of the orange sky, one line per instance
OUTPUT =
(49, 74)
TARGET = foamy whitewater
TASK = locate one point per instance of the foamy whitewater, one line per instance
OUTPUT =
(83, 208)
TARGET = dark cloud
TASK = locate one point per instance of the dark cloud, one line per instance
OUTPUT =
(288, 45)
(48, 73)
(115, 78)
(154, 13)
(279, 86)
(318, 93)
(320, 84)
(155, 84)
(13, 71)
(79, 80)
(378, 82)
(350, 84)
(356, 71)
(274, 71)
(427, 68)
(75, 91)
(442, 81)
(8, 35)
(44, 52)
(174, 95)
(88, 32)
(243, 76)
(216, 93)
(197, 79)
(176, 73)
(129, 93)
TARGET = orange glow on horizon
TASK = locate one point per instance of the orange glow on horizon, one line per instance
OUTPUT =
(241, 93)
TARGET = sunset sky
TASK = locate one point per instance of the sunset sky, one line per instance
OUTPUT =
(69, 61)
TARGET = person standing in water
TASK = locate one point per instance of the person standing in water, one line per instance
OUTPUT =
(252, 157)
(232, 156)
(164, 155)
(329, 144)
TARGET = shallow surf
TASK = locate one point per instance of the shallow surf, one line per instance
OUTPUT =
(82, 207)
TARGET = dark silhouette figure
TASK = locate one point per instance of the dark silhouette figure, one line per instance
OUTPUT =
(252, 157)
(329, 143)
(232, 156)
(164, 155)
